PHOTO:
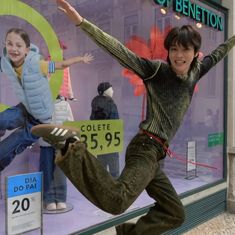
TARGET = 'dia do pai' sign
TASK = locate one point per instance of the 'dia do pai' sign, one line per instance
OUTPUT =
(24, 203)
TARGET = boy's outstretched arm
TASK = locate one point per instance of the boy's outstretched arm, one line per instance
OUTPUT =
(143, 68)
(87, 58)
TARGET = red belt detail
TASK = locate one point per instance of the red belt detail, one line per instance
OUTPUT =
(160, 141)
(170, 153)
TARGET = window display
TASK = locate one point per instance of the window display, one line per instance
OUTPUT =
(197, 147)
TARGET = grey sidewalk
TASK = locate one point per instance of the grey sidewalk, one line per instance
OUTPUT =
(223, 224)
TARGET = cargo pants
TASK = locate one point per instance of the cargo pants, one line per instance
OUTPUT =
(141, 172)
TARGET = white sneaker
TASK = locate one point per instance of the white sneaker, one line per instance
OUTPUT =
(61, 206)
(51, 206)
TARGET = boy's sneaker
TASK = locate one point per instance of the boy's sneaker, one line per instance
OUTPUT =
(58, 136)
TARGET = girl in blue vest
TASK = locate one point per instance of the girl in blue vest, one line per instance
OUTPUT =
(26, 69)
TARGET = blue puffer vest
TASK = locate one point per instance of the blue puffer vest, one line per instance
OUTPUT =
(33, 90)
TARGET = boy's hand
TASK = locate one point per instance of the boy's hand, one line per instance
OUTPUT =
(70, 11)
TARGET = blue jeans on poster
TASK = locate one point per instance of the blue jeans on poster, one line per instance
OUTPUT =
(17, 118)
(54, 180)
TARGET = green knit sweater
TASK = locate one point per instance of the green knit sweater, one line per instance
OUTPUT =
(168, 96)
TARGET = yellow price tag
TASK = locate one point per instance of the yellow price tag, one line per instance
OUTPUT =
(101, 136)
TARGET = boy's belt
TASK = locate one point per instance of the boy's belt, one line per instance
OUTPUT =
(161, 141)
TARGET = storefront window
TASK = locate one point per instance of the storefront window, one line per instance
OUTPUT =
(200, 137)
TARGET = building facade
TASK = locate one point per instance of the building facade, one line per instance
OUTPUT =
(206, 136)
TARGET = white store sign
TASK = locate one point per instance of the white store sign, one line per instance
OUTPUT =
(191, 155)
(23, 203)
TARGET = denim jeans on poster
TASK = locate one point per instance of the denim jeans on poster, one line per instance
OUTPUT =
(54, 180)
(15, 118)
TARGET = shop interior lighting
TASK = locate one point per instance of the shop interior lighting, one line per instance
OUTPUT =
(177, 16)
(163, 10)
(199, 25)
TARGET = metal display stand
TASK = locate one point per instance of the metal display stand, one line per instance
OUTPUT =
(68, 208)
(191, 169)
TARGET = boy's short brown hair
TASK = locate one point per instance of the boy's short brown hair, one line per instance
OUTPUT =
(186, 36)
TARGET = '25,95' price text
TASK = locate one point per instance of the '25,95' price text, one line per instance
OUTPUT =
(101, 136)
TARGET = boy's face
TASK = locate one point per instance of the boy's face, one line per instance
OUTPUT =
(16, 48)
(181, 58)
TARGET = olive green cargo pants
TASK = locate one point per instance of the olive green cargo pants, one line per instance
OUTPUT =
(141, 172)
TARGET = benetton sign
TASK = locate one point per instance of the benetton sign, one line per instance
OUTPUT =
(194, 11)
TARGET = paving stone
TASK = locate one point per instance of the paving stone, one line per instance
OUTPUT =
(223, 224)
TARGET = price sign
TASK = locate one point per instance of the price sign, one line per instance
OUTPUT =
(24, 203)
(101, 136)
